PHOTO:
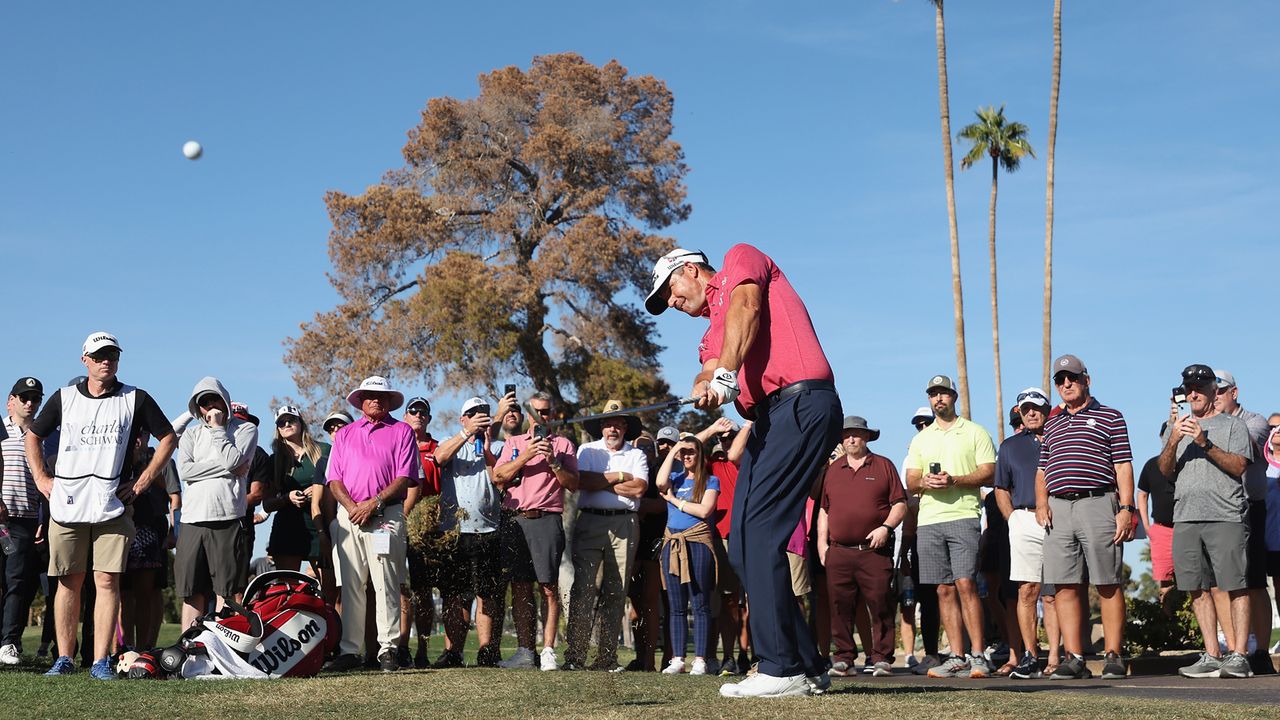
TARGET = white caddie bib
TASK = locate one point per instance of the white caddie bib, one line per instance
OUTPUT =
(91, 450)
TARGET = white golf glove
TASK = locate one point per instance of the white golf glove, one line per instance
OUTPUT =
(724, 385)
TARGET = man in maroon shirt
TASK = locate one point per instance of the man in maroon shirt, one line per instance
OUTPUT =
(762, 352)
(862, 503)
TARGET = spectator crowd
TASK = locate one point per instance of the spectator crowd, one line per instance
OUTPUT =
(625, 535)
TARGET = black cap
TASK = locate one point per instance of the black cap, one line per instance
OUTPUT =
(26, 385)
(414, 401)
(1199, 375)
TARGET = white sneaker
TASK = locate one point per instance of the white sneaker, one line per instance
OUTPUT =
(9, 655)
(676, 666)
(522, 659)
(761, 685)
(699, 667)
(547, 660)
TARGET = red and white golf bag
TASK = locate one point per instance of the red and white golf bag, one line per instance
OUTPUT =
(284, 629)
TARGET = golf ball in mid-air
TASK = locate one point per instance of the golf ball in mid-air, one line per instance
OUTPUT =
(192, 150)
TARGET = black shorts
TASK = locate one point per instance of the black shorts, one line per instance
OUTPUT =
(472, 566)
(1256, 574)
(209, 559)
(532, 548)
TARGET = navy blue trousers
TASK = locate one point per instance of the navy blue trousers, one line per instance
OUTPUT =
(786, 450)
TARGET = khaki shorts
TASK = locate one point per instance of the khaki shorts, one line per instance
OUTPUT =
(800, 582)
(70, 546)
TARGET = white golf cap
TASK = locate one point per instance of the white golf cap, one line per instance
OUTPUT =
(922, 413)
(336, 416)
(98, 340)
(376, 384)
(662, 270)
(474, 402)
(1033, 396)
(292, 410)
(1226, 380)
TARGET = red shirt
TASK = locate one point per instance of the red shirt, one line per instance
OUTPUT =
(727, 473)
(430, 470)
(858, 501)
(786, 349)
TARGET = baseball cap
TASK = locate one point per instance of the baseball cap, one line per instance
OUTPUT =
(667, 433)
(662, 270)
(1199, 375)
(1033, 396)
(26, 385)
(288, 410)
(472, 403)
(333, 417)
(98, 340)
(922, 413)
(1071, 364)
(940, 381)
(240, 410)
(418, 400)
(1226, 380)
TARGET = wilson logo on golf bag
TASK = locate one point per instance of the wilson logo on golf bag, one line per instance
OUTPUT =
(284, 629)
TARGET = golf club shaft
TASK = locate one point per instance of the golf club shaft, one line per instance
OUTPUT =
(625, 411)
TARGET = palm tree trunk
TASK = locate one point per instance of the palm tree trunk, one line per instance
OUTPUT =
(1047, 353)
(957, 294)
(995, 302)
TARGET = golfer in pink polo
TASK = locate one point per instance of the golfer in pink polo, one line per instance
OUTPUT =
(372, 465)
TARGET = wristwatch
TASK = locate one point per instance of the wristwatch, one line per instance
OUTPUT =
(1130, 508)
(1208, 444)
(380, 505)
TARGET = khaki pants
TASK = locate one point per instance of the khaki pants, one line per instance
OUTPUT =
(360, 563)
(603, 550)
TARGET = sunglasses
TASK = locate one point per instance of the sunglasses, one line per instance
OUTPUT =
(417, 411)
(207, 401)
(923, 424)
(334, 427)
(481, 410)
(105, 355)
(1062, 378)
(284, 421)
(1037, 398)
(544, 412)
(30, 398)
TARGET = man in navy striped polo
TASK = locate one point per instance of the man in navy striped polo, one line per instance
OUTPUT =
(1084, 499)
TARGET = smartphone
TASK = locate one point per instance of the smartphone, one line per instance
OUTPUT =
(935, 468)
(508, 389)
(1180, 397)
(539, 432)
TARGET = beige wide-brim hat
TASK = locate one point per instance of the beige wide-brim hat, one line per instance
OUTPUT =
(376, 384)
(634, 426)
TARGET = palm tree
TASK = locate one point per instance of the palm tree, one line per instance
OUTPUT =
(1048, 193)
(957, 296)
(1006, 144)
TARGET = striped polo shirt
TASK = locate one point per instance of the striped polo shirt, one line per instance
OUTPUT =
(19, 491)
(1080, 450)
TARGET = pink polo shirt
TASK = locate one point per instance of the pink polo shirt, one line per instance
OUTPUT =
(786, 349)
(538, 488)
(368, 456)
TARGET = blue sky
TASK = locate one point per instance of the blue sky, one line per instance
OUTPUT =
(810, 130)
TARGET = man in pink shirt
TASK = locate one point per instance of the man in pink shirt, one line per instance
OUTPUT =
(762, 352)
(373, 464)
(536, 470)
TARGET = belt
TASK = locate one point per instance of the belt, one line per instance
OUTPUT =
(1024, 507)
(863, 546)
(1081, 494)
(600, 511)
(787, 391)
(534, 513)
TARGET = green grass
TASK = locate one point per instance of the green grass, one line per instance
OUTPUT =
(501, 694)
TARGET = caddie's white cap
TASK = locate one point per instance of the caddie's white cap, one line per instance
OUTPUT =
(662, 270)
(98, 340)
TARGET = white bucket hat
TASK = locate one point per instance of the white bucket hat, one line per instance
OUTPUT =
(376, 384)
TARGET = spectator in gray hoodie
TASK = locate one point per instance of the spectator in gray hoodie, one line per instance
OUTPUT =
(214, 457)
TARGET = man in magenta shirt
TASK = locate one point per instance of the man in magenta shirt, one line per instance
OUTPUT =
(372, 465)
(761, 352)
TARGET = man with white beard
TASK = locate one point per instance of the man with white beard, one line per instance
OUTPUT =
(613, 475)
